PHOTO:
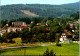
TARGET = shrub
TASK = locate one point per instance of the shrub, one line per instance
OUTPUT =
(58, 44)
(47, 53)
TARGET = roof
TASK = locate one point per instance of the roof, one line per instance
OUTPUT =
(17, 22)
(67, 32)
(43, 25)
(25, 25)
(71, 25)
(47, 29)
(17, 27)
(37, 26)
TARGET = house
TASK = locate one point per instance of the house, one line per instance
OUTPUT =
(74, 24)
(18, 23)
(7, 24)
(2, 31)
(14, 29)
(38, 23)
(66, 36)
(71, 25)
(32, 22)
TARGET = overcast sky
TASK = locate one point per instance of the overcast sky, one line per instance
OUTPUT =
(53, 2)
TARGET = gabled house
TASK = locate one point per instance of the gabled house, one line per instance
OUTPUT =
(66, 36)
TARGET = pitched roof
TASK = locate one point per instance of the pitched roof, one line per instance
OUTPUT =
(17, 22)
(71, 25)
(17, 27)
(36, 26)
(67, 32)
(47, 29)
(25, 25)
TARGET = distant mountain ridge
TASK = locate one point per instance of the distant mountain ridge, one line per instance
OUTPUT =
(42, 10)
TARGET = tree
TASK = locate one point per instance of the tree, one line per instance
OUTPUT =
(34, 40)
(11, 35)
(0, 36)
(51, 53)
(75, 15)
(3, 40)
(68, 27)
(52, 36)
(57, 37)
(5, 27)
(31, 26)
(46, 53)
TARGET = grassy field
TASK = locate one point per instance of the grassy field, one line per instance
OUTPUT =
(66, 49)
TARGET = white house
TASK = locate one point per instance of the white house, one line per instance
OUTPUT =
(66, 36)
(18, 23)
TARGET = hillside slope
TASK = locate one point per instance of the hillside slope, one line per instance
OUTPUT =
(41, 10)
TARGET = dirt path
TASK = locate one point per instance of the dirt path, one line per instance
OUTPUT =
(16, 47)
(24, 46)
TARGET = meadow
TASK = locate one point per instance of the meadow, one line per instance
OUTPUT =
(65, 49)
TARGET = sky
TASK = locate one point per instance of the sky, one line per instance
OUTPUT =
(52, 2)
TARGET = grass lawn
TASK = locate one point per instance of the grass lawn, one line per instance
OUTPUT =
(66, 49)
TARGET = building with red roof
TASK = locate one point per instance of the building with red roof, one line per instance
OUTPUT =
(14, 29)
(66, 36)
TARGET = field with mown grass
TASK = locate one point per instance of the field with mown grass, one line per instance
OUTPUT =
(65, 49)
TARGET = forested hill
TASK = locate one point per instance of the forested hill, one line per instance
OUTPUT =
(37, 10)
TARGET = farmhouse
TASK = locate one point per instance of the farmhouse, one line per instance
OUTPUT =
(66, 36)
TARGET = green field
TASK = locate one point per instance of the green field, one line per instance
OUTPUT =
(66, 49)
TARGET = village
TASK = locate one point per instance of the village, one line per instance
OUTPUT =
(21, 36)
(65, 37)
(39, 28)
